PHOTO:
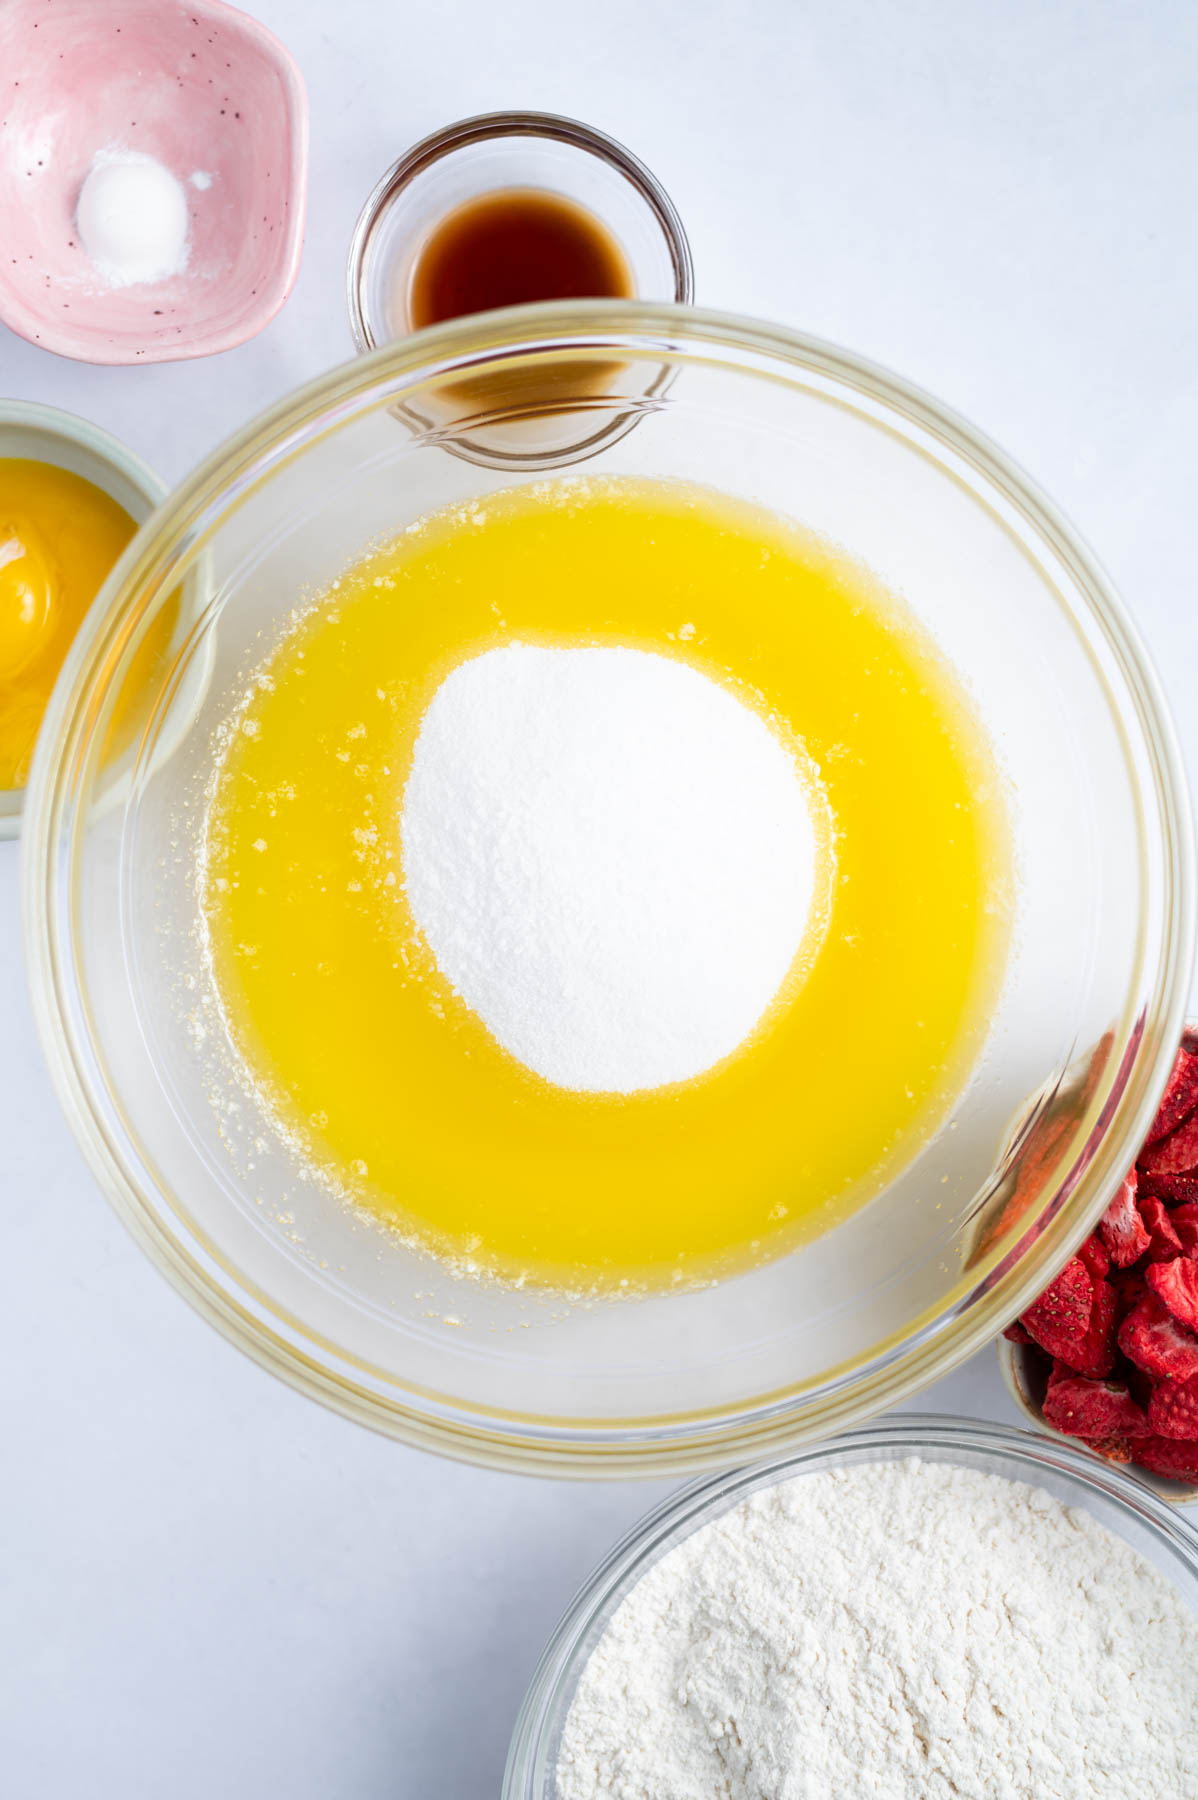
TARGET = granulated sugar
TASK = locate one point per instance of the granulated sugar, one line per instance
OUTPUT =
(613, 860)
(909, 1631)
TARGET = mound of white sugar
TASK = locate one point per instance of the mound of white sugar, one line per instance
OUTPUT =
(911, 1631)
(612, 859)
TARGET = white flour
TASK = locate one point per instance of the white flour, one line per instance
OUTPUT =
(612, 859)
(906, 1631)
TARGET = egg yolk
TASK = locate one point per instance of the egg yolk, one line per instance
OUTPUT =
(59, 537)
(27, 584)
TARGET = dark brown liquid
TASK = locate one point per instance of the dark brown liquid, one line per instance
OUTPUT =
(506, 248)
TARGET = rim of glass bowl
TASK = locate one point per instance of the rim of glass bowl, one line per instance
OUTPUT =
(997, 1287)
(547, 1699)
(477, 130)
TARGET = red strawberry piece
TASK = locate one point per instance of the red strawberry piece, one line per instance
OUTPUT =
(1175, 1457)
(1165, 1241)
(1095, 1255)
(1018, 1333)
(1155, 1342)
(1093, 1409)
(1129, 1288)
(1094, 1353)
(1115, 1449)
(1180, 1096)
(1173, 1409)
(1184, 1220)
(1122, 1229)
(1175, 1284)
(1061, 1315)
(1170, 1187)
(1176, 1154)
(1090, 1354)
(1138, 1384)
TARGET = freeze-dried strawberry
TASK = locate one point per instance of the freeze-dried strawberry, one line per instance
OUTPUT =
(1176, 1154)
(1115, 1449)
(1180, 1096)
(1138, 1384)
(1122, 1229)
(1155, 1342)
(1184, 1220)
(1096, 1257)
(1129, 1288)
(1090, 1353)
(1093, 1409)
(1018, 1333)
(1175, 1285)
(1170, 1187)
(1165, 1241)
(1173, 1409)
(1175, 1457)
(1094, 1352)
(1061, 1315)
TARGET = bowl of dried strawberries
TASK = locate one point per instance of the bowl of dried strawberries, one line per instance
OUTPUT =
(1108, 1353)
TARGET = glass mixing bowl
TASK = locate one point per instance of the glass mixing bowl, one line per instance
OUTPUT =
(1079, 1046)
(1115, 1500)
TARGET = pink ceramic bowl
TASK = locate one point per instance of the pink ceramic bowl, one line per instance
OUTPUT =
(214, 97)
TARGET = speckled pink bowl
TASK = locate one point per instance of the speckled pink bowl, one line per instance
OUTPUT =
(211, 94)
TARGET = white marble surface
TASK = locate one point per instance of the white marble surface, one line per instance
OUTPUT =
(208, 1585)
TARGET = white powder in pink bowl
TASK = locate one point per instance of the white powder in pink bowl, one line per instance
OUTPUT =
(615, 862)
(132, 218)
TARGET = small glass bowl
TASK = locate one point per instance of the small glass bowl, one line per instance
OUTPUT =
(493, 427)
(503, 150)
(1123, 1506)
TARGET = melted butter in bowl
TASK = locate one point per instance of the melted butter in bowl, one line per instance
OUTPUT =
(346, 1003)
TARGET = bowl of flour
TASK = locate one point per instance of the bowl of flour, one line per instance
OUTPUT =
(923, 1609)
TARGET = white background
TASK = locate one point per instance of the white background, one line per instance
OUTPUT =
(208, 1586)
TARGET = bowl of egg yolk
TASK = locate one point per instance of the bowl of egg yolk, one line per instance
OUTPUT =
(261, 972)
(71, 499)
